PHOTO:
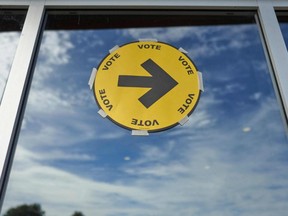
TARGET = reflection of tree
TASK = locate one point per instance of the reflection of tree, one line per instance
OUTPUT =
(31, 210)
(76, 213)
(26, 210)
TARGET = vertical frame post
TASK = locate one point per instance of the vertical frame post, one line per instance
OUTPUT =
(13, 94)
(276, 49)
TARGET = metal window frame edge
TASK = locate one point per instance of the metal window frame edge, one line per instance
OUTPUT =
(11, 105)
(131, 4)
(276, 51)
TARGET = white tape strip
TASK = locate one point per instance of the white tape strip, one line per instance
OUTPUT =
(113, 49)
(140, 133)
(201, 81)
(182, 50)
(147, 39)
(92, 77)
(102, 113)
(184, 120)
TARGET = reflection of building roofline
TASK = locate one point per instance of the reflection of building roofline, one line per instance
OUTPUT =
(155, 18)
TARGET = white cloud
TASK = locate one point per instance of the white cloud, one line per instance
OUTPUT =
(224, 37)
(8, 45)
(55, 47)
(161, 170)
(60, 155)
(209, 170)
(192, 173)
(233, 87)
(256, 96)
(68, 192)
(56, 101)
(161, 34)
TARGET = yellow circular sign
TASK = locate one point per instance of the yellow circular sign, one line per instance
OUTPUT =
(147, 85)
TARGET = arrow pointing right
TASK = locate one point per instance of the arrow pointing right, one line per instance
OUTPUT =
(160, 83)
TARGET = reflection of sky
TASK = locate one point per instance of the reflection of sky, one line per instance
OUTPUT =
(8, 45)
(284, 29)
(230, 158)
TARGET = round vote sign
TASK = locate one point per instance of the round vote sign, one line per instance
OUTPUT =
(147, 85)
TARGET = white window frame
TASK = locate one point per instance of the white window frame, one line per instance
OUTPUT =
(17, 83)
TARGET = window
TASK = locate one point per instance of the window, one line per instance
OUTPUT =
(229, 159)
(11, 22)
(283, 19)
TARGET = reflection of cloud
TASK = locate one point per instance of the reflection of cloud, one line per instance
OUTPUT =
(28, 158)
(230, 88)
(169, 34)
(54, 187)
(54, 52)
(256, 96)
(53, 104)
(221, 166)
(8, 47)
(52, 101)
(214, 175)
(224, 37)
(208, 174)
(163, 170)
(207, 167)
(54, 47)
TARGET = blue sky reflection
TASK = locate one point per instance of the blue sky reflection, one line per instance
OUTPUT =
(284, 29)
(229, 159)
(8, 45)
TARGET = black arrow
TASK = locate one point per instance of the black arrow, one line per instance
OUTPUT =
(160, 83)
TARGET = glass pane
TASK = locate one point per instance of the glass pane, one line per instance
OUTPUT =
(11, 23)
(229, 159)
(283, 20)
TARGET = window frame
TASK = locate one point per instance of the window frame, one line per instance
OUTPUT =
(13, 101)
